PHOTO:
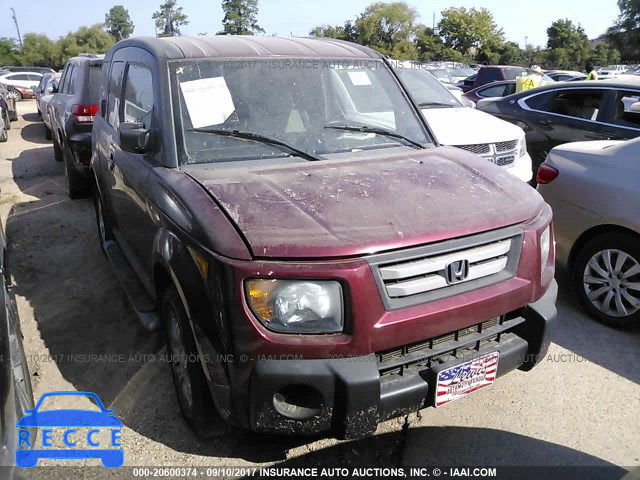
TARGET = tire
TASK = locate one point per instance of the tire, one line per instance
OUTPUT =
(4, 135)
(606, 279)
(14, 116)
(39, 112)
(7, 121)
(77, 184)
(190, 383)
(47, 133)
(57, 151)
(103, 221)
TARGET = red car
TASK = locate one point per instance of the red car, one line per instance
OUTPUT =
(317, 263)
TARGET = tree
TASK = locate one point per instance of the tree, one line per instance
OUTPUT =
(388, 27)
(84, 40)
(346, 32)
(40, 50)
(9, 51)
(240, 17)
(564, 34)
(118, 22)
(169, 19)
(605, 54)
(471, 31)
(625, 33)
(512, 54)
(428, 44)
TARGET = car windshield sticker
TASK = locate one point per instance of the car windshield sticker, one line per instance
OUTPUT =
(359, 78)
(208, 101)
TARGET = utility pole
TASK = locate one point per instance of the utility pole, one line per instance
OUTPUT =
(15, 20)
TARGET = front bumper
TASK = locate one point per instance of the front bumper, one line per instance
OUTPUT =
(522, 168)
(350, 396)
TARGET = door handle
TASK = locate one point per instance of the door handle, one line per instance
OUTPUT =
(546, 123)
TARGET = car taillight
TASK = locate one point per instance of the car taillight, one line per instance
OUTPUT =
(84, 113)
(546, 173)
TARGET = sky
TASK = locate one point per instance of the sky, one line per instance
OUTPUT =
(519, 19)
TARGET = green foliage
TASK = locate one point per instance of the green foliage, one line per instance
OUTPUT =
(240, 17)
(40, 50)
(386, 26)
(84, 40)
(512, 54)
(624, 35)
(429, 45)
(118, 22)
(347, 32)
(9, 51)
(169, 19)
(471, 31)
(605, 54)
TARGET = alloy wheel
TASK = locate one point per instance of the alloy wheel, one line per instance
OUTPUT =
(611, 282)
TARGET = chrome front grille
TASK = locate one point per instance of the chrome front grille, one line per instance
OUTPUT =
(480, 149)
(502, 154)
(437, 271)
(506, 146)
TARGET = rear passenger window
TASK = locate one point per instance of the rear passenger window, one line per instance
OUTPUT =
(627, 109)
(585, 104)
(495, 91)
(67, 79)
(138, 95)
(115, 90)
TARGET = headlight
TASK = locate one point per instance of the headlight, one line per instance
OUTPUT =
(297, 306)
(545, 246)
(522, 146)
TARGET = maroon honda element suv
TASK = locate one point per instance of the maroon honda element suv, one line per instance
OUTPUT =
(318, 265)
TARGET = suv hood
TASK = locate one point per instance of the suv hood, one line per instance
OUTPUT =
(468, 126)
(368, 203)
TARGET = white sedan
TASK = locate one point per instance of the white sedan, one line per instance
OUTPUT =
(24, 80)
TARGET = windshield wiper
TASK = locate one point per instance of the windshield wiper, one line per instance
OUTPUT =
(434, 104)
(375, 130)
(256, 137)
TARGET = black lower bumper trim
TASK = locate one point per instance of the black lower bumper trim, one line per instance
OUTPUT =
(348, 397)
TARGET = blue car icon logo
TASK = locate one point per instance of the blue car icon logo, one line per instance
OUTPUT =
(27, 455)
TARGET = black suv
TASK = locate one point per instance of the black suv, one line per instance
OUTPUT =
(71, 112)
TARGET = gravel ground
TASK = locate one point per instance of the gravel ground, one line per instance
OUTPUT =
(579, 407)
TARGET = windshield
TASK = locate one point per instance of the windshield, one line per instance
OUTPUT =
(232, 110)
(440, 75)
(425, 89)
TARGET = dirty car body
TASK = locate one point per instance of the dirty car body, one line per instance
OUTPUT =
(295, 232)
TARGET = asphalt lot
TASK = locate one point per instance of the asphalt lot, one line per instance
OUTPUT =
(581, 406)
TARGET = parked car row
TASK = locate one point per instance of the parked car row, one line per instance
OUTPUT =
(571, 112)
(355, 217)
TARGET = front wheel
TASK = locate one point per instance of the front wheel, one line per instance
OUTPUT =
(606, 277)
(190, 383)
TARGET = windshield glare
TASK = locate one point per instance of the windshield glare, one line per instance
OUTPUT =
(296, 102)
(425, 89)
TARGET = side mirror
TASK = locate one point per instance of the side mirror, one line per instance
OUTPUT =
(50, 89)
(103, 108)
(11, 88)
(134, 137)
(35, 89)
